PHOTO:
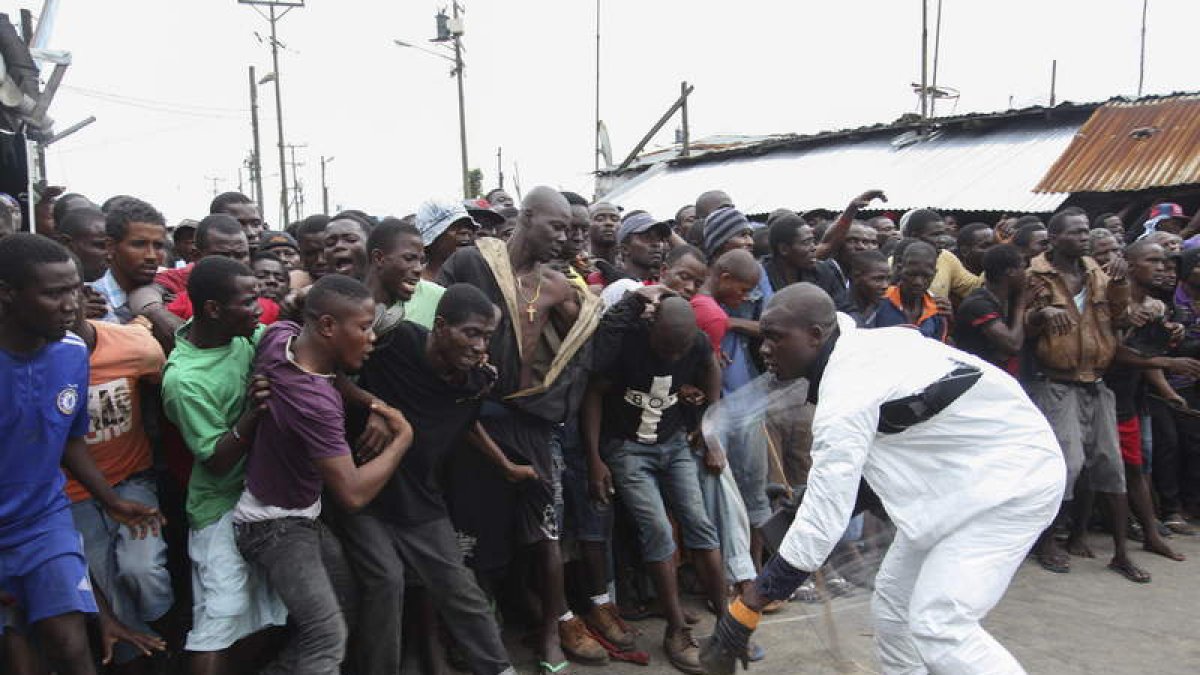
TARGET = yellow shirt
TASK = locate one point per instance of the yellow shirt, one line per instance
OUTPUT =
(951, 279)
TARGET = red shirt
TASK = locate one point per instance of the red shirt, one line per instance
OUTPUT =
(181, 307)
(175, 280)
(711, 319)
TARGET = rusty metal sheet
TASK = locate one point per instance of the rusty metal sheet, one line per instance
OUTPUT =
(1132, 145)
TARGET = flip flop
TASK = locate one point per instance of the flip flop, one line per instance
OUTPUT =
(1056, 564)
(1130, 572)
(546, 668)
(1179, 526)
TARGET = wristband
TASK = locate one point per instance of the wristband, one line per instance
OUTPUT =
(234, 432)
(778, 579)
(739, 612)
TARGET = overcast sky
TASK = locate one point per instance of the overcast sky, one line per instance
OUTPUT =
(168, 83)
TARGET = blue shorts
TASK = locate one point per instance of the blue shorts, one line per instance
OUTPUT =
(645, 475)
(47, 576)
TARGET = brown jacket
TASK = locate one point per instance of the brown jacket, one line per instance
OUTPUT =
(1085, 352)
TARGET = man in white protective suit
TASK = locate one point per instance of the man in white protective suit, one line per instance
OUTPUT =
(964, 464)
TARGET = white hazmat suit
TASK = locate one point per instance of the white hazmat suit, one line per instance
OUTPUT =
(969, 490)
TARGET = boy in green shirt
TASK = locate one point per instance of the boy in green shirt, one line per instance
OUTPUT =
(208, 395)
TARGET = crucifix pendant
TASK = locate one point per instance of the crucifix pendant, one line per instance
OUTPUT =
(531, 311)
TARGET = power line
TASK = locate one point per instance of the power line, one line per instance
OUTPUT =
(162, 107)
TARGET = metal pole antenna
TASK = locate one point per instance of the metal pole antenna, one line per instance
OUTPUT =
(596, 127)
(283, 184)
(462, 110)
(256, 158)
(924, 60)
(1142, 57)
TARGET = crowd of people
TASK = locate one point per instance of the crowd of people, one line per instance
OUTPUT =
(355, 439)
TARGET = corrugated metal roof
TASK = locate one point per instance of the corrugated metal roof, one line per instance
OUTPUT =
(1132, 145)
(989, 169)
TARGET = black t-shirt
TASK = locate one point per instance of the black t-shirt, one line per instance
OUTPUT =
(399, 373)
(977, 311)
(642, 404)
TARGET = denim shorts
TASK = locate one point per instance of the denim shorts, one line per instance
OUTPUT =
(646, 474)
(230, 598)
(131, 572)
(584, 519)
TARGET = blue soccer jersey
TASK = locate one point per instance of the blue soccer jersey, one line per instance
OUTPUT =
(43, 402)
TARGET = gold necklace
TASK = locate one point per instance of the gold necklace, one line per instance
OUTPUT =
(531, 304)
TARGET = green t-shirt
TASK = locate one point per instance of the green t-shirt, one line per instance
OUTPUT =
(203, 393)
(422, 306)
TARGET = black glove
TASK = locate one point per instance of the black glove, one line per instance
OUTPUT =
(728, 645)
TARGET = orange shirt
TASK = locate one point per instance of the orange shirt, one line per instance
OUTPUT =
(116, 438)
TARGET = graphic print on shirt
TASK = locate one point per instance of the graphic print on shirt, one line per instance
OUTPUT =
(110, 407)
(652, 403)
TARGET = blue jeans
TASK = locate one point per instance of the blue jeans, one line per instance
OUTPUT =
(644, 475)
(132, 573)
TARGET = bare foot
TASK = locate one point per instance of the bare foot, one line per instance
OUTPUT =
(1161, 548)
(1079, 548)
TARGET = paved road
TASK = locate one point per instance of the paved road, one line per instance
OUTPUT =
(1086, 622)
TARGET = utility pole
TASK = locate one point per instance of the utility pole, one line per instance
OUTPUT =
(596, 127)
(273, 16)
(1053, 81)
(324, 186)
(500, 167)
(297, 186)
(462, 110)
(683, 94)
(256, 154)
(215, 182)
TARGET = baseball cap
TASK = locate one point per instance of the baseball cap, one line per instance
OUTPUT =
(1168, 210)
(270, 240)
(640, 222)
(436, 216)
(483, 215)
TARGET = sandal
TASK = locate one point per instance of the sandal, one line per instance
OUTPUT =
(807, 593)
(1059, 564)
(1130, 571)
(546, 668)
(1178, 525)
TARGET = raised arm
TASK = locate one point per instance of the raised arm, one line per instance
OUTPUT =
(831, 244)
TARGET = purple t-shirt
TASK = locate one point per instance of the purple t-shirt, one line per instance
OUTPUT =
(304, 422)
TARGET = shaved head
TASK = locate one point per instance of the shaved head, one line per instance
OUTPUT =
(739, 264)
(674, 330)
(802, 304)
(920, 250)
(542, 224)
(544, 198)
(711, 201)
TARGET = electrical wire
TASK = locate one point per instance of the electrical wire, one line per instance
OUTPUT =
(211, 112)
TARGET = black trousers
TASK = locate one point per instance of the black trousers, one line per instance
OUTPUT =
(381, 554)
(1175, 455)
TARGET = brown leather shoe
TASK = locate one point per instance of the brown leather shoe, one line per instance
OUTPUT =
(683, 651)
(578, 644)
(605, 620)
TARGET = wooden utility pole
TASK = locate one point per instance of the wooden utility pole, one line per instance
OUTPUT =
(324, 186)
(683, 93)
(256, 156)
